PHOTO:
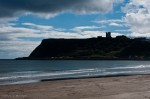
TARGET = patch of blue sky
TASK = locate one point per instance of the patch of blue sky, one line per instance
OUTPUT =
(66, 20)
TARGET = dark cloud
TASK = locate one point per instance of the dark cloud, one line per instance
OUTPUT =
(10, 8)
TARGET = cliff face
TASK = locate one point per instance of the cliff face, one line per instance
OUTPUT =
(137, 49)
(57, 47)
(92, 48)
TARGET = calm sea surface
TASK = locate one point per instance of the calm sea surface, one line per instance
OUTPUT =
(29, 71)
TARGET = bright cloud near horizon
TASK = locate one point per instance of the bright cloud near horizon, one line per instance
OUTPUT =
(24, 23)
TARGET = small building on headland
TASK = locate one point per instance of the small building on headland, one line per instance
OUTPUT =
(108, 35)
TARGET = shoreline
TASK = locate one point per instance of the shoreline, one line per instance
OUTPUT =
(101, 59)
(92, 77)
(120, 87)
(73, 78)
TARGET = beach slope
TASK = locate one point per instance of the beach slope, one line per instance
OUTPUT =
(127, 87)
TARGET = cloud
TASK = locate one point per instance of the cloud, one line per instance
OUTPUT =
(116, 24)
(124, 31)
(138, 17)
(109, 21)
(112, 22)
(16, 48)
(31, 30)
(85, 28)
(41, 27)
(50, 8)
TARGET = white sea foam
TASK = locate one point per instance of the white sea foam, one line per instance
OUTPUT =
(20, 82)
(131, 67)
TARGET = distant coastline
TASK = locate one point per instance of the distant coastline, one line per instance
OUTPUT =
(27, 58)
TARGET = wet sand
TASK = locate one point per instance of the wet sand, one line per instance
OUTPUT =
(125, 87)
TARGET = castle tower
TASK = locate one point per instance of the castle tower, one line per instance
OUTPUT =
(108, 34)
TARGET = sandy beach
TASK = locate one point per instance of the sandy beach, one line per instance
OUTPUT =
(127, 87)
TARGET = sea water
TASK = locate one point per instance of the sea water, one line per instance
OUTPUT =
(29, 71)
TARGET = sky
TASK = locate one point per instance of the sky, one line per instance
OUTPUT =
(25, 23)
